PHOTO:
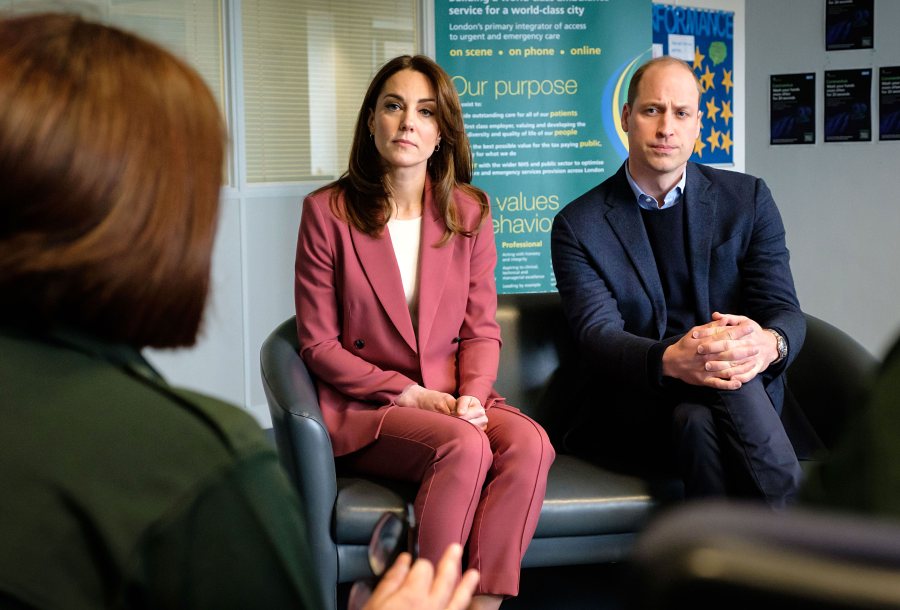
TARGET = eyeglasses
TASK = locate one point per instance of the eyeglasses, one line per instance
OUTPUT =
(393, 534)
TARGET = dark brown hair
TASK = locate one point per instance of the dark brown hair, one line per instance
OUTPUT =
(665, 60)
(111, 155)
(362, 185)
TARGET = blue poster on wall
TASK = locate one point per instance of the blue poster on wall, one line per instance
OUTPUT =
(541, 83)
(705, 40)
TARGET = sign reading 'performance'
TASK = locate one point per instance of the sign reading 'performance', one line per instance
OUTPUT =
(542, 85)
(705, 40)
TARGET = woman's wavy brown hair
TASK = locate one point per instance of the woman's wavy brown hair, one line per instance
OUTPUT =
(111, 156)
(366, 204)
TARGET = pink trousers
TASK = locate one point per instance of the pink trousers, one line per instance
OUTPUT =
(482, 489)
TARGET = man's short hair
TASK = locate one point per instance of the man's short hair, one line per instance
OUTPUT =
(665, 60)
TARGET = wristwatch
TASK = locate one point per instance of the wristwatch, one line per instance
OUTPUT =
(780, 344)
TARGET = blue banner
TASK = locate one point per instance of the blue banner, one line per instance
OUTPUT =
(705, 40)
(542, 83)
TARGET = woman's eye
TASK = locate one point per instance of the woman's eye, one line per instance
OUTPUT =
(427, 112)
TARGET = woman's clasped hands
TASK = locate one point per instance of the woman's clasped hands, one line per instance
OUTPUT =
(468, 408)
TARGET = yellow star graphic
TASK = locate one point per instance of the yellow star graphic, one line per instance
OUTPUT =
(726, 111)
(713, 139)
(698, 58)
(726, 142)
(726, 80)
(707, 79)
(711, 110)
(698, 147)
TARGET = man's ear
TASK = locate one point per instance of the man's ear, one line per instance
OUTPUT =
(626, 112)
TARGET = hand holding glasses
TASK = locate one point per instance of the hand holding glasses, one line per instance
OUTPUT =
(392, 535)
(400, 584)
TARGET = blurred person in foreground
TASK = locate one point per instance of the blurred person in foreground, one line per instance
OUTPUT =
(120, 490)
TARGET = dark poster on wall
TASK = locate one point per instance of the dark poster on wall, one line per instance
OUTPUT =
(889, 103)
(792, 108)
(849, 24)
(848, 108)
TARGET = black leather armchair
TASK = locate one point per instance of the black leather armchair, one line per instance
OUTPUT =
(713, 554)
(590, 515)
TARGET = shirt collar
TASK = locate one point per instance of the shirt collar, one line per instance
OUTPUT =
(649, 203)
(125, 356)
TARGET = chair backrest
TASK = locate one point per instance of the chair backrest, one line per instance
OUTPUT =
(538, 362)
(304, 446)
(831, 378)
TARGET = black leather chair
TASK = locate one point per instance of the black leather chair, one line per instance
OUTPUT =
(590, 515)
(713, 554)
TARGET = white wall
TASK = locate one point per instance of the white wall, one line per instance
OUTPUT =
(837, 199)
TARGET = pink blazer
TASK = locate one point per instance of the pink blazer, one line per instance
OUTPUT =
(356, 334)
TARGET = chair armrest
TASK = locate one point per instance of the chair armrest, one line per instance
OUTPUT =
(304, 446)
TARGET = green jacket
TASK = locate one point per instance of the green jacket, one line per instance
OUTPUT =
(121, 491)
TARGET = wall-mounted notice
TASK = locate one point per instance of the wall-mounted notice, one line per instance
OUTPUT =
(542, 83)
(792, 108)
(705, 40)
(849, 24)
(848, 107)
(889, 103)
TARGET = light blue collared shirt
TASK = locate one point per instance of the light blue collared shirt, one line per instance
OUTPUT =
(649, 203)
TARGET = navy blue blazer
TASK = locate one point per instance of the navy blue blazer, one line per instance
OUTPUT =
(610, 287)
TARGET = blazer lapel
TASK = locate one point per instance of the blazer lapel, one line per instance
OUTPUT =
(701, 218)
(377, 258)
(624, 217)
(433, 264)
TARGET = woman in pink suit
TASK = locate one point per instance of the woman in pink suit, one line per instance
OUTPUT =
(395, 314)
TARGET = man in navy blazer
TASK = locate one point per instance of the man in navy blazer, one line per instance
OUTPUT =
(675, 280)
